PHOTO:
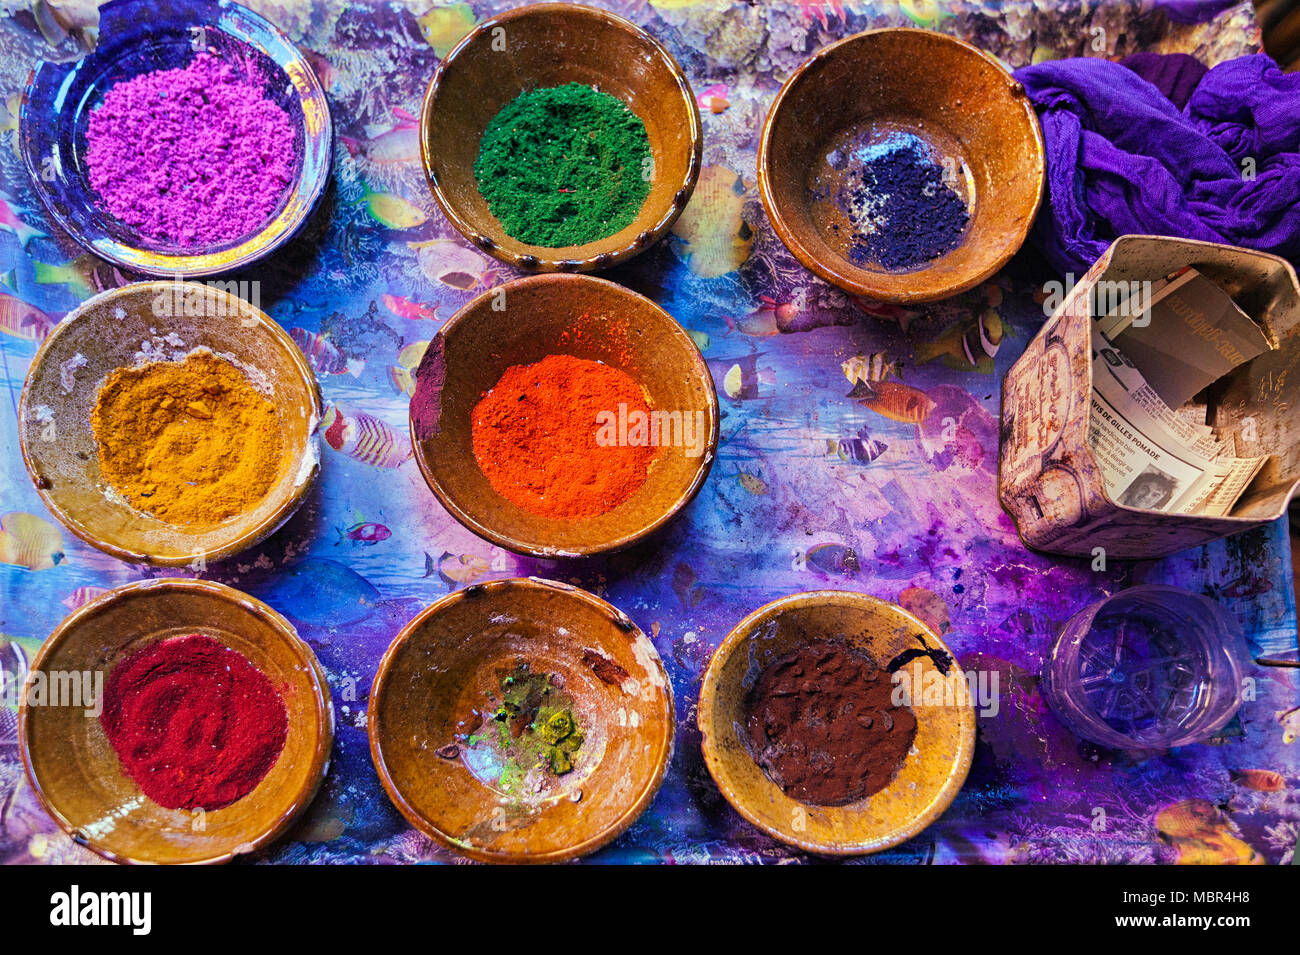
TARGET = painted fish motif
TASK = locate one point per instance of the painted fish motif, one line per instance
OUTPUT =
(836, 559)
(443, 27)
(894, 400)
(323, 355)
(715, 237)
(926, 605)
(924, 13)
(402, 375)
(714, 99)
(405, 308)
(365, 533)
(894, 313)
(1199, 833)
(392, 210)
(860, 450)
(449, 263)
(454, 569)
(321, 592)
(1263, 780)
(741, 379)
(30, 541)
(9, 219)
(399, 145)
(24, 321)
(364, 437)
(966, 346)
(874, 367)
(1290, 723)
(82, 596)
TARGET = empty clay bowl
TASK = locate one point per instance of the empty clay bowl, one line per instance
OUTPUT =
(76, 773)
(125, 327)
(975, 119)
(444, 759)
(929, 777)
(547, 45)
(575, 315)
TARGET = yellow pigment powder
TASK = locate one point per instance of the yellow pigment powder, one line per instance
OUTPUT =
(190, 442)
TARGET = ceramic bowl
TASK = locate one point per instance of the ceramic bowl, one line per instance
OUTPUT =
(926, 782)
(75, 772)
(124, 327)
(545, 45)
(434, 742)
(539, 316)
(975, 118)
(137, 37)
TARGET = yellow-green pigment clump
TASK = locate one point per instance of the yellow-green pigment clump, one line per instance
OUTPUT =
(535, 725)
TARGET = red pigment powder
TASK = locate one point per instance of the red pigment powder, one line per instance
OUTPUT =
(197, 156)
(823, 726)
(194, 723)
(535, 437)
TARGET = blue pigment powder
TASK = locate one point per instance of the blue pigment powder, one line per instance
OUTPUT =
(902, 210)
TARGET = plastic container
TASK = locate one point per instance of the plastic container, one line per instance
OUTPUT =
(1149, 668)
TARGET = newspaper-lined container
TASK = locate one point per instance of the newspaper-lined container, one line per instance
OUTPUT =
(1049, 481)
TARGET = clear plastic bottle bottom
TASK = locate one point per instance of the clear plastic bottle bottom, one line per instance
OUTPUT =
(1148, 668)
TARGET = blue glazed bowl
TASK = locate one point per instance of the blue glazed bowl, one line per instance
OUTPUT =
(138, 37)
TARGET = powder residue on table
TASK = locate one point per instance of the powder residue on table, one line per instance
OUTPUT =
(535, 436)
(890, 200)
(190, 442)
(822, 724)
(564, 165)
(194, 723)
(197, 156)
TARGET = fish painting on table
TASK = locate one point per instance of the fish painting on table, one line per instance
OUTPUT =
(712, 231)
(456, 569)
(448, 262)
(402, 375)
(966, 346)
(30, 541)
(24, 321)
(363, 533)
(364, 437)
(894, 400)
(861, 449)
(323, 355)
(405, 308)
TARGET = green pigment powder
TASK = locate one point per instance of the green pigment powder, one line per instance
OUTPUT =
(564, 165)
(533, 725)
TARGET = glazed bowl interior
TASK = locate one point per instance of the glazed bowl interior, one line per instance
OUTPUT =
(929, 777)
(972, 115)
(129, 326)
(572, 315)
(138, 37)
(76, 773)
(547, 45)
(433, 739)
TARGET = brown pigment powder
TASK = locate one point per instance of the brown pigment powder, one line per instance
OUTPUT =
(190, 442)
(822, 725)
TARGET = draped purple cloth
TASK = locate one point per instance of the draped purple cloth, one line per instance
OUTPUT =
(1123, 158)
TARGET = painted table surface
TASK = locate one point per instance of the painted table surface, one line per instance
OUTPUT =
(783, 511)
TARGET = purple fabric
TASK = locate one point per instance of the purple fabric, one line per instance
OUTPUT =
(1175, 74)
(1123, 159)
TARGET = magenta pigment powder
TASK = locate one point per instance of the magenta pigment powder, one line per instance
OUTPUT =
(195, 157)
